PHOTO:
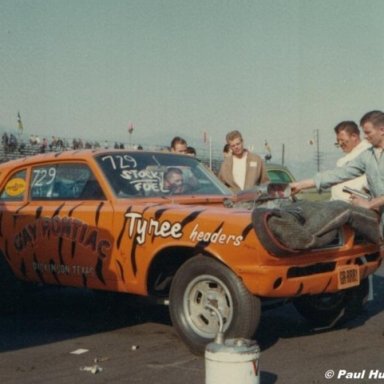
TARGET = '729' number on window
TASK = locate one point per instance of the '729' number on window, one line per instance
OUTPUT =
(43, 177)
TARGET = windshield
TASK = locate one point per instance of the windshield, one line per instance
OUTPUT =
(143, 174)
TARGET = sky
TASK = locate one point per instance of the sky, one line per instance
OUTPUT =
(285, 71)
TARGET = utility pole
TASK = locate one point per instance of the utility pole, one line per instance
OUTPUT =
(283, 155)
(210, 153)
(130, 131)
(317, 154)
(208, 140)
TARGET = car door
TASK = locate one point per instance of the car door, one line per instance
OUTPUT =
(61, 233)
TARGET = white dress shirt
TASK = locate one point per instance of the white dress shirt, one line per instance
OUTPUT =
(359, 183)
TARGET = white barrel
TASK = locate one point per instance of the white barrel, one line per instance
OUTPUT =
(233, 362)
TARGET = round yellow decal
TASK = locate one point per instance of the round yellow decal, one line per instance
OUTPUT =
(15, 187)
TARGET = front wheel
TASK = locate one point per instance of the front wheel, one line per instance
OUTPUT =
(203, 281)
(329, 309)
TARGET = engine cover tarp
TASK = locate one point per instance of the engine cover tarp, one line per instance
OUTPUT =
(306, 225)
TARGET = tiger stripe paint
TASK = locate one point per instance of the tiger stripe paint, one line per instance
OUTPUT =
(113, 243)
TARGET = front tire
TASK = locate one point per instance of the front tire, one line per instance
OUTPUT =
(201, 281)
(327, 310)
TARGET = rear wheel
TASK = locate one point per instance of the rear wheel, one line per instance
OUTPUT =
(333, 308)
(202, 282)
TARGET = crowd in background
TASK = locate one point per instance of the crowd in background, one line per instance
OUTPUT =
(10, 143)
(14, 146)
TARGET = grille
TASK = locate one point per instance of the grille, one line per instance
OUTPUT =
(308, 270)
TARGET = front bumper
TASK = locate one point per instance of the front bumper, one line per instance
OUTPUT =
(286, 281)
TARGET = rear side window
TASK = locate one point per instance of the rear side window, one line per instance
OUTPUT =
(15, 187)
(64, 182)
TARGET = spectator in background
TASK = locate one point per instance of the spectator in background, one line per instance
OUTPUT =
(179, 145)
(191, 151)
(242, 169)
(348, 139)
(369, 162)
(34, 140)
(44, 145)
(22, 147)
(226, 151)
(53, 143)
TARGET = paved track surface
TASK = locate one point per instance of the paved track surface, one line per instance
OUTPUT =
(133, 342)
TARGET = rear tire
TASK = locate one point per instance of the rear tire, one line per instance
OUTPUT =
(201, 281)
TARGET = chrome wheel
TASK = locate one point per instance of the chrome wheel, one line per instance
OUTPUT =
(205, 290)
(205, 296)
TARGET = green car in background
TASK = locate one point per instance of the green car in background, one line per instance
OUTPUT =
(280, 174)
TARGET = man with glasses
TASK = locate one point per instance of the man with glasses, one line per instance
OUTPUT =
(242, 169)
(369, 162)
(348, 140)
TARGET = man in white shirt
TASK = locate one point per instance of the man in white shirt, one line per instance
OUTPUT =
(348, 139)
(241, 169)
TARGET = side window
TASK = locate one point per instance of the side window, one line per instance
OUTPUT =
(15, 187)
(64, 182)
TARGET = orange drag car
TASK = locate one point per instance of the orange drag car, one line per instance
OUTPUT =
(162, 225)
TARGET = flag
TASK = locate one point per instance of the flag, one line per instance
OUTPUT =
(130, 128)
(19, 122)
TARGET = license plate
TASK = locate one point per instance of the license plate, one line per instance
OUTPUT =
(348, 276)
